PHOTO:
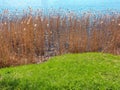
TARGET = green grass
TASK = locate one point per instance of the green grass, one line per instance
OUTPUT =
(87, 71)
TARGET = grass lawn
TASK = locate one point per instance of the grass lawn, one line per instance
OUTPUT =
(87, 71)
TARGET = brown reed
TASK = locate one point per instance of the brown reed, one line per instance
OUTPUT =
(34, 38)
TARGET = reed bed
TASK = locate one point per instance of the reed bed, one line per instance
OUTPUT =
(33, 37)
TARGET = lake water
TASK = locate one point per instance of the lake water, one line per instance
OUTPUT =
(67, 4)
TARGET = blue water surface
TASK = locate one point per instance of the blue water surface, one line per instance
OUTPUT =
(65, 4)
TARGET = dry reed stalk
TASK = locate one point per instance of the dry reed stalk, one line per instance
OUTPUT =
(34, 38)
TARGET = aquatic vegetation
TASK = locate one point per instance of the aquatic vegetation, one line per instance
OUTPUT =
(34, 36)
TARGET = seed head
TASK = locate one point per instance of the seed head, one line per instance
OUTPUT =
(48, 25)
(51, 32)
(35, 25)
(5, 23)
(113, 20)
(41, 19)
(22, 22)
(28, 22)
(15, 32)
(24, 29)
(101, 22)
